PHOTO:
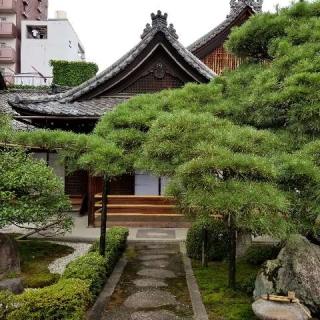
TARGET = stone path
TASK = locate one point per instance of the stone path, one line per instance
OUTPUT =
(152, 287)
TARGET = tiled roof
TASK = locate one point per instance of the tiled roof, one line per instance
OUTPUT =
(57, 104)
(88, 108)
(237, 7)
(7, 109)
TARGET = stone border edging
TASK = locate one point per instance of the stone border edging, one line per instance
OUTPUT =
(95, 312)
(198, 307)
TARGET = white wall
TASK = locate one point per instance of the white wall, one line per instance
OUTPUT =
(148, 185)
(57, 167)
(62, 44)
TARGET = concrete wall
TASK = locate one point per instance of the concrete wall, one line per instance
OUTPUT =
(62, 43)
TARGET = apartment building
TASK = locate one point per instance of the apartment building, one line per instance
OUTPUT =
(12, 13)
(42, 41)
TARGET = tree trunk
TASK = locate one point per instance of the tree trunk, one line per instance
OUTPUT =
(103, 227)
(232, 251)
(9, 255)
(205, 247)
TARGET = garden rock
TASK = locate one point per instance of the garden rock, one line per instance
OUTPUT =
(297, 268)
(13, 285)
(9, 257)
(269, 310)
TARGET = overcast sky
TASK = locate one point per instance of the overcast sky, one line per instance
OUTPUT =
(110, 28)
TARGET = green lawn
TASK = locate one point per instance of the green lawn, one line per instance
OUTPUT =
(35, 257)
(221, 302)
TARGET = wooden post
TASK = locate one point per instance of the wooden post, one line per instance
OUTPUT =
(103, 227)
(232, 251)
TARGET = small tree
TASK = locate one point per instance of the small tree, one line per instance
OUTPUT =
(217, 167)
(31, 195)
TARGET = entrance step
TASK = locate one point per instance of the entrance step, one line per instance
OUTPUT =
(144, 220)
(140, 211)
(76, 203)
(138, 208)
(124, 199)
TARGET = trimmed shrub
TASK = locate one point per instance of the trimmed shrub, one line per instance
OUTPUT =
(68, 300)
(258, 254)
(72, 73)
(72, 295)
(115, 244)
(90, 267)
(217, 240)
(6, 304)
(40, 280)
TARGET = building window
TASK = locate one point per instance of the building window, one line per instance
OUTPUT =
(37, 32)
(3, 45)
(3, 18)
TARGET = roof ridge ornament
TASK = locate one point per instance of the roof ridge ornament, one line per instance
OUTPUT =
(256, 5)
(159, 21)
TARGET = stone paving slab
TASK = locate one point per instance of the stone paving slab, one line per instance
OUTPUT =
(152, 287)
(157, 273)
(154, 315)
(150, 299)
(158, 252)
(167, 234)
(148, 282)
(153, 257)
(156, 263)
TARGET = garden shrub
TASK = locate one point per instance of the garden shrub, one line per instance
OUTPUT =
(90, 267)
(40, 280)
(68, 300)
(6, 304)
(72, 73)
(115, 244)
(217, 240)
(247, 285)
(258, 254)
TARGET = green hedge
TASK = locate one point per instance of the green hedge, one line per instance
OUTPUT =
(72, 73)
(81, 282)
(217, 240)
(258, 254)
(115, 244)
(90, 267)
(67, 300)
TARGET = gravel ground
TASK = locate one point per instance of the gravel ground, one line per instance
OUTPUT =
(59, 265)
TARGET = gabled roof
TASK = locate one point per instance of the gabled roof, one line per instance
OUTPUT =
(237, 9)
(66, 102)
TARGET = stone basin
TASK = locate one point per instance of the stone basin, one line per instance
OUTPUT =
(270, 310)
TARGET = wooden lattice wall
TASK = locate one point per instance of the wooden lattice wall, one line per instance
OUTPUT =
(220, 59)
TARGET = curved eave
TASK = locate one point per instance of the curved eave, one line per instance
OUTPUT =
(119, 66)
(211, 39)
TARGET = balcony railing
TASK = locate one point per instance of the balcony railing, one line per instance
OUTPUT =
(8, 6)
(7, 55)
(7, 30)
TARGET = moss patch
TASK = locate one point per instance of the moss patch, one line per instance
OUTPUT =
(35, 257)
(221, 302)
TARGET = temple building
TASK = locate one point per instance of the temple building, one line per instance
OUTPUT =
(159, 61)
